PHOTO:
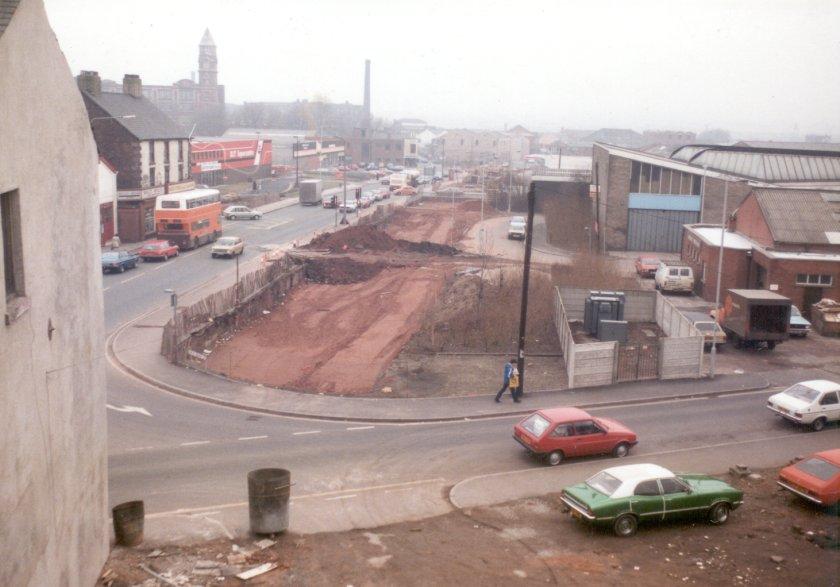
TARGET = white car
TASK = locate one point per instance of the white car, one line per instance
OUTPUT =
(239, 212)
(811, 403)
(516, 228)
(349, 206)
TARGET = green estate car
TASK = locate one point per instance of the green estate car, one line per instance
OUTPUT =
(624, 496)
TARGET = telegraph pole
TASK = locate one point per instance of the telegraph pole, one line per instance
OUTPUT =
(719, 270)
(523, 312)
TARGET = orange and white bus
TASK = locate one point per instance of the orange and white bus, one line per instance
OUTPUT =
(189, 219)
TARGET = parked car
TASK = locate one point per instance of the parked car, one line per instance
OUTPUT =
(406, 190)
(349, 205)
(624, 496)
(517, 228)
(558, 433)
(228, 246)
(712, 332)
(119, 261)
(377, 195)
(158, 250)
(674, 277)
(366, 201)
(385, 180)
(240, 212)
(815, 478)
(810, 403)
(646, 266)
(798, 326)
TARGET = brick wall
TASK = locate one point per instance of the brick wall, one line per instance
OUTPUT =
(616, 200)
(713, 198)
(750, 222)
(117, 145)
(783, 272)
(703, 260)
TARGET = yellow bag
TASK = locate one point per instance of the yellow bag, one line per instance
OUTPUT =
(514, 380)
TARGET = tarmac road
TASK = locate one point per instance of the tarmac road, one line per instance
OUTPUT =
(188, 460)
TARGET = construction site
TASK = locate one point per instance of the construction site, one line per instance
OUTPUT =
(406, 306)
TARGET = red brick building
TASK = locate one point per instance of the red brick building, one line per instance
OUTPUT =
(786, 241)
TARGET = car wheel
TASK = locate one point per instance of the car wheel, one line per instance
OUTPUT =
(166, 258)
(622, 449)
(719, 513)
(213, 255)
(122, 269)
(818, 424)
(554, 458)
(625, 525)
(656, 286)
(255, 217)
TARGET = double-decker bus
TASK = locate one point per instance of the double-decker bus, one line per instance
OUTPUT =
(189, 219)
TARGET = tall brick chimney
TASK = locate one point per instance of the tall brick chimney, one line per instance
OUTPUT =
(367, 92)
(88, 81)
(132, 85)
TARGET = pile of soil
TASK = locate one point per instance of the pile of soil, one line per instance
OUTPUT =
(340, 271)
(371, 238)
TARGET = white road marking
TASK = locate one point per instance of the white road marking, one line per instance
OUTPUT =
(139, 448)
(361, 427)
(188, 254)
(341, 497)
(251, 437)
(127, 409)
(195, 443)
(306, 432)
(106, 288)
(239, 504)
(131, 278)
(206, 514)
(159, 267)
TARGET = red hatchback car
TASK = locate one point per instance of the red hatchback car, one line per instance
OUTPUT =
(558, 433)
(646, 266)
(158, 250)
(816, 478)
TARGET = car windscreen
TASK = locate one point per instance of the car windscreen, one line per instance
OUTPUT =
(794, 311)
(110, 256)
(816, 467)
(802, 392)
(604, 483)
(226, 242)
(154, 247)
(536, 425)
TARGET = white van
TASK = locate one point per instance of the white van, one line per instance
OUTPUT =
(674, 277)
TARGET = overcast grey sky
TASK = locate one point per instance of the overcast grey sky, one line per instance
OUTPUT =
(752, 66)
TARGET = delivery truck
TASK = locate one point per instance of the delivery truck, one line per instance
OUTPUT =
(310, 192)
(755, 317)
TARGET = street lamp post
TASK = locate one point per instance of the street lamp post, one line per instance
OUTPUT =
(173, 301)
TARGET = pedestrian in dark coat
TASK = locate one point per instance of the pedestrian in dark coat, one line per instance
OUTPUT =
(510, 380)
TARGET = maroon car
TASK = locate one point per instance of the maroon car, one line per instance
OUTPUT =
(558, 433)
(159, 250)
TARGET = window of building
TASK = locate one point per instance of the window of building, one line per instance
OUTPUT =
(644, 183)
(12, 244)
(655, 179)
(635, 172)
(814, 279)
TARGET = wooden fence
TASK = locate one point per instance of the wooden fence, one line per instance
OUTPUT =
(222, 311)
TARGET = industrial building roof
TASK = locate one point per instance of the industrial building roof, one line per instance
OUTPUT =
(666, 162)
(796, 145)
(776, 165)
(801, 216)
(149, 121)
(711, 234)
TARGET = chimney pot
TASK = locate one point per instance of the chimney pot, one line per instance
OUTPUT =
(132, 85)
(88, 81)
